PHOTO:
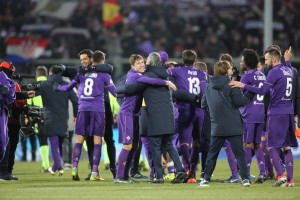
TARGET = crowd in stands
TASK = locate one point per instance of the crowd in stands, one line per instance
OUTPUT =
(158, 25)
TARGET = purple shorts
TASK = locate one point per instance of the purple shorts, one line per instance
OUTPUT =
(253, 132)
(281, 131)
(90, 123)
(128, 127)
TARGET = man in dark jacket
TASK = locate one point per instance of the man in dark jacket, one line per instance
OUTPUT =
(56, 115)
(223, 103)
(160, 120)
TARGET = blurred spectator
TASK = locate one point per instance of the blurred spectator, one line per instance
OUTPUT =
(160, 25)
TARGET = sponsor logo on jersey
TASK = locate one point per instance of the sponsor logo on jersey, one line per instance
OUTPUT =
(91, 75)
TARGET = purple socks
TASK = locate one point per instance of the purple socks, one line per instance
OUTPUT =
(76, 154)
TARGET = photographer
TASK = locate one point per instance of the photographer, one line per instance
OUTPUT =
(7, 96)
(6, 165)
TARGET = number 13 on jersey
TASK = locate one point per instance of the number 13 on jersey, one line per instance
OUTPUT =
(194, 85)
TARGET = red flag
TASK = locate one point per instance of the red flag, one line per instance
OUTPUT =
(24, 49)
(111, 12)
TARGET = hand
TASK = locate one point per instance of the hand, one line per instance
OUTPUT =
(236, 84)
(170, 64)
(31, 93)
(288, 55)
(163, 162)
(171, 85)
(74, 120)
(4, 90)
(55, 86)
(102, 139)
(115, 117)
(235, 71)
(197, 99)
(87, 69)
(296, 121)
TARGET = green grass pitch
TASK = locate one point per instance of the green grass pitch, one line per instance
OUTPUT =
(36, 185)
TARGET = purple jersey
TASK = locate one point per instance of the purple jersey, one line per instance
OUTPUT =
(131, 104)
(254, 111)
(5, 100)
(91, 90)
(189, 79)
(279, 81)
(11, 96)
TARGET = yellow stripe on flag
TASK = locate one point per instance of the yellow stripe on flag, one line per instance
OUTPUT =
(111, 12)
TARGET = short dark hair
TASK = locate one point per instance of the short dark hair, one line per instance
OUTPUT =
(134, 57)
(221, 68)
(226, 57)
(274, 46)
(98, 56)
(189, 57)
(55, 69)
(201, 66)
(88, 52)
(250, 58)
(41, 71)
(273, 52)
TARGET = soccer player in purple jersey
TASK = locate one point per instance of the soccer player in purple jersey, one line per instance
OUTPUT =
(91, 112)
(253, 113)
(280, 127)
(128, 118)
(190, 79)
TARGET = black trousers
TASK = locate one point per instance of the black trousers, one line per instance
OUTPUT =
(6, 165)
(108, 137)
(216, 143)
(32, 139)
(67, 148)
(157, 143)
(43, 139)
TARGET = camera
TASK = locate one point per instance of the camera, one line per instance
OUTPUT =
(31, 86)
(27, 82)
(30, 116)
